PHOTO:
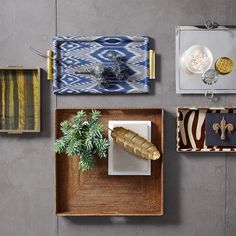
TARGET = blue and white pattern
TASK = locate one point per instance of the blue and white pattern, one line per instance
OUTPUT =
(72, 53)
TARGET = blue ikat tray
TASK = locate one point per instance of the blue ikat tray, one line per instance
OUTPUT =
(73, 53)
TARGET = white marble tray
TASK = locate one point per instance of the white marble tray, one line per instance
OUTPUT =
(222, 42)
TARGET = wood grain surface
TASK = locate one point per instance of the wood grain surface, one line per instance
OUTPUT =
(93, 192)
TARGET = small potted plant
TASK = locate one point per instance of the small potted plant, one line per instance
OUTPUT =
(83, 137)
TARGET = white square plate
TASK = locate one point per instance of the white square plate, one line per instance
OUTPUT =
(121, 162)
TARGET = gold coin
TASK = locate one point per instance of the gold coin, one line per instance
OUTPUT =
(224, 65)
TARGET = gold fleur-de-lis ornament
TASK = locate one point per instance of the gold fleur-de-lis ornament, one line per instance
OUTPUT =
(223, 126)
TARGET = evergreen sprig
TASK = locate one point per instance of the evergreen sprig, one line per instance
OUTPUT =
(83, 137)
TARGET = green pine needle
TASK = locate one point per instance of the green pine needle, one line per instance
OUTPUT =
(83, 136)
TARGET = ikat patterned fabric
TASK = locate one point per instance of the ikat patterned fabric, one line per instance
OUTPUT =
(72, 54)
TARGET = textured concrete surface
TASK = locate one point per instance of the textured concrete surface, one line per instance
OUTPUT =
(200, 191)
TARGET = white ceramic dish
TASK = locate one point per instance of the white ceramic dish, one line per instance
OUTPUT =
(197, 59)
(121, 162)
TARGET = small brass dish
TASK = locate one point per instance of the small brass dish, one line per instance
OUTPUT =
(224, 65)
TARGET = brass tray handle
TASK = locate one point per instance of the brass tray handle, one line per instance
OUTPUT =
(152, 64)
(50, 64)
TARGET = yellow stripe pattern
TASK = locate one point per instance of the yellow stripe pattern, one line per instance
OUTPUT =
(11, 102)
(36, 100)
(3, 101)
(21, 95)
(19, 100)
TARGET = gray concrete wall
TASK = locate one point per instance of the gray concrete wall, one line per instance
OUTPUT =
(200, 191)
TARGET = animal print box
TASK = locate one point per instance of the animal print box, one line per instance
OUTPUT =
(191, 130)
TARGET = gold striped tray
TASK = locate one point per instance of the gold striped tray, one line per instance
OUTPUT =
(19, 100)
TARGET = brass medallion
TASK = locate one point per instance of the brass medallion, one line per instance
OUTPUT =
(224, 65)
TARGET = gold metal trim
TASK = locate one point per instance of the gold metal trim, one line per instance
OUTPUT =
(15, 132)
(15, 66)
(152, 64)
(49, 64)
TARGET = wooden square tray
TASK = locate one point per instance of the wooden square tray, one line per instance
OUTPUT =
(191, 135)
(94, 193)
